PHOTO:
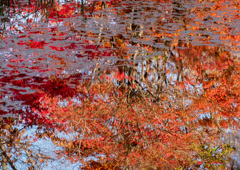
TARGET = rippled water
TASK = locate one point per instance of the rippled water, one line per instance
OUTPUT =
(88, 79)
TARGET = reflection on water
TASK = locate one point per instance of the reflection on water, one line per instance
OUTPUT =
(119, 84)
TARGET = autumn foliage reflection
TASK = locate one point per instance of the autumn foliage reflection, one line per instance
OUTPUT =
(141, 95)
(129, 127)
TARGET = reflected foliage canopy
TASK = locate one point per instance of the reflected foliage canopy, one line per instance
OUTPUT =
(119, 84)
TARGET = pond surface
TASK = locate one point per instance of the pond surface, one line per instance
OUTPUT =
(119, 84)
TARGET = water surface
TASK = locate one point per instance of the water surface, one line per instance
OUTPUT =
(119, 83)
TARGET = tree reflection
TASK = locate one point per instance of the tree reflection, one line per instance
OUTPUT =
(123, 82)
(17, 147)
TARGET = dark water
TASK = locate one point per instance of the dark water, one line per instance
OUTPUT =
(82, 81)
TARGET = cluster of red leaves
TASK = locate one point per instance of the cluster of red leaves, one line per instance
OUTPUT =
(21, 83)
(33, 44)
(63, 11)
